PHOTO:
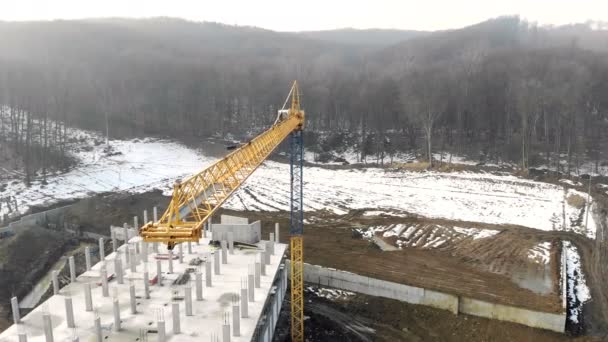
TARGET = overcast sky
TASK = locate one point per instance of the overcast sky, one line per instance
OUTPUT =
(290, 15)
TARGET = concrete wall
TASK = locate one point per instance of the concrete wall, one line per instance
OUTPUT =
(227, 219)
(52, 219)
(247, 233)
(381, 288)
(416, 295)
(536, 319)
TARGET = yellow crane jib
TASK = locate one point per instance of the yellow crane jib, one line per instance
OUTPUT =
(196, 198)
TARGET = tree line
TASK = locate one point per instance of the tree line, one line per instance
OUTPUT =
(504, 89)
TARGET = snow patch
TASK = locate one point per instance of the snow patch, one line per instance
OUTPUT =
(540, 253)
(331, 294)
(476, 233)
(578, 292)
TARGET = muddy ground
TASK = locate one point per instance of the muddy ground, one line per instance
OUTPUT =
(362, 318)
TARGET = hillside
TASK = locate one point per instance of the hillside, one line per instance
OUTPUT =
(503, 89)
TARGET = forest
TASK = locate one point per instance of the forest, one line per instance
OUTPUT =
(503, 90)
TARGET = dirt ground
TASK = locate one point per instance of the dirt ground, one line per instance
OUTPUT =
(362, 318)
(334, 245)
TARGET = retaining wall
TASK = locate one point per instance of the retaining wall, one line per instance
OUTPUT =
(531, 318)
(53, 219)
(416, 295)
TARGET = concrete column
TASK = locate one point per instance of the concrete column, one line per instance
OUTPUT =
(224, 252)
(159, 273)
(236, 321)
(102, 251)
(116, 308)
(225, 332)
(188, 299)
(146, 285)
(276, 232)
(155, 214)
(48, 327)
(55, 282)
(87, 257)
(69, 312)
(88, 298)
(145, 216)
(135, 222)
(271, 243)
(189, 247)
(208, 276)
(132, 264)
(155, 247)
(72, 269)
(216, 262)
(114, 242)
(267, 253)
(180, 251)
(144, 251)
(15, 309)
(244, 303)
(170, 253)
(103, 273)
(258, 270)
(231, 242)
(175, 314)
(137, 250)
(272, 313)
(22, 337)
(262, 264)
(132, 299)
(199, 285)
(160, 327)
(251, 287)
(98, 329)
(125, 232)
(118, 269)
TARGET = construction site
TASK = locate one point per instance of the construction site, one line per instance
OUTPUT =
(302, 251)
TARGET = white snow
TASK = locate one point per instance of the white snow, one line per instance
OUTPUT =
(476, 233)
(540, 253)
(141, 165)
(331, 294)
(569, 182)
(578, 292)
(462, 196)
(576, 218)
(383, 213)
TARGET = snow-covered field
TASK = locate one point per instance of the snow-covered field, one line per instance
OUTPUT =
(472, 197)
(136, 165)
(141, 165)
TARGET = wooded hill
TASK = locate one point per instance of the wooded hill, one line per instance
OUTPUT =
(504, 88)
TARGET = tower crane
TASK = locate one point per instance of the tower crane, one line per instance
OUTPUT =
(196, 198)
